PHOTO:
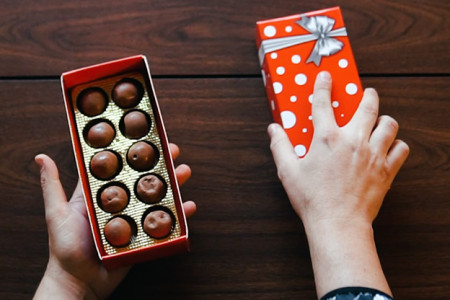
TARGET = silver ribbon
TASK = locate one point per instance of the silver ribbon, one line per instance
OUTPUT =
(320, 28)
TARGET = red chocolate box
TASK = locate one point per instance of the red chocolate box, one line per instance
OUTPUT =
(292, 51)
(119, 138)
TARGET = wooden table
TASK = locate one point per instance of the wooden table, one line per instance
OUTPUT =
(247, 243)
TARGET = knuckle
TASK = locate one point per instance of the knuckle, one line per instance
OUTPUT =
(274, 143)
(371, 110)
(404, 147)
(320, 99)
(49, 183)
(283, 171)
(328, 136)
(44, 182)
(281, 174)
(287, 174)
(391, 123)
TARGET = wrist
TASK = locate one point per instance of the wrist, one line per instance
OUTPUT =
(343, 253)
(326, 229)
(58, 283)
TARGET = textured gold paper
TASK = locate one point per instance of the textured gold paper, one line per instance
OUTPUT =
(127, 176)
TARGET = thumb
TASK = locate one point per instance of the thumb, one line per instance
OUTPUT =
(281, 147)
(55, 200)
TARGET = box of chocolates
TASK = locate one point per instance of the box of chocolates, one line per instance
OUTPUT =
(124, 163)
(292, 50)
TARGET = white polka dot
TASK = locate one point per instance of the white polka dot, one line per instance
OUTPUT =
(288, 119)
(270, 31)
(342, 115)
(300, 150)
(310, 118)
(296, 59)
(343, 63)
(272, 103)
(280, 70)
(335, 104)
(263, 76)
(273, 55)
(288, 28)
(351, 88)
(277, 87)
(310, 98)
(300, 79)
(305, 130)
(293, 98)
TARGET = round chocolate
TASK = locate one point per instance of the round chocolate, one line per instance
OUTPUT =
(158, 224)
(118, 232)
(127, 93)
(135, 124)
(105, 165)
(150, 189)
(142, 156)
(113, 199)
(100, 134)
(92, 102)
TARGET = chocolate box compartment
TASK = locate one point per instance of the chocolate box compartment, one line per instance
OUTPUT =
(106, 76)
(129, 171)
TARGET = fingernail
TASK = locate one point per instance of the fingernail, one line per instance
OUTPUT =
(272, 129)
(324, 76)
(39, 161)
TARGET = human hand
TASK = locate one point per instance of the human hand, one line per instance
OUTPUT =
(74, 270)
(348, 169)
(337, 189)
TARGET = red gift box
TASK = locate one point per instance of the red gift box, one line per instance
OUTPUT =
(292, 51)
(141, 247)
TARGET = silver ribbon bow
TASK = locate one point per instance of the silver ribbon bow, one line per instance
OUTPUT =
(320, 28)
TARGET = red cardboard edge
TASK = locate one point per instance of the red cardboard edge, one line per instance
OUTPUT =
(172, 247)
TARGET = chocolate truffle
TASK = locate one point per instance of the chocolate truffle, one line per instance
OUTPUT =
(113, 199)
(142, 156)
(150, 189)
(100, 135)
(158, 224)
(127, 93)
(92, 102)
(135, 124)
(118, 232)
(105, 165)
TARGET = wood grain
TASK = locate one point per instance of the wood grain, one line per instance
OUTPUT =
(204, 37)
(247, 243)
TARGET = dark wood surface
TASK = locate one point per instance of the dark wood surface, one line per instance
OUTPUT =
(247, 243)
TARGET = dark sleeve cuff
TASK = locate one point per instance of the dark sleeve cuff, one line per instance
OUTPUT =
(360, 293)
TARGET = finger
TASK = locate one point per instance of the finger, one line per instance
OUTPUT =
(77, 200)
(383, 135)
(77, 193)
(322, 112)
(397, 156)
(366, 115)
(174, 150)
(189, 208)
(281, 147)
(52, 190)
(183, 173)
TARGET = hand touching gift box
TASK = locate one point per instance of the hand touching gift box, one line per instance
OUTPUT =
(292, 51)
